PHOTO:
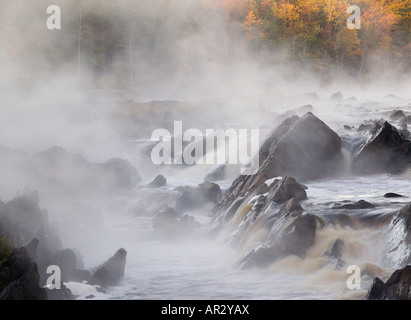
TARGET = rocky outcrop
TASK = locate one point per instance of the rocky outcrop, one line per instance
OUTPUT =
(397, 115)
(170, 224)
(303, 148)
(335, 253)
(19, 278)
(397, 287)
(111, 272)
(292, 233)
(57, 171)
(158, 182)
(398, 244)
(385, 151)
(194, 197)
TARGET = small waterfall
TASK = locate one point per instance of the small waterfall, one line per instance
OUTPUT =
(347, 157)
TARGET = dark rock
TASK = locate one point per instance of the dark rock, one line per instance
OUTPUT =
(31, 248)
(385, 151)
(66, 260)
(288, 188)
(365, 127)
(26, 287)
(300, 147)
(304, 148)
(398, 244)
(335, 253)
(195, 197)
(337, 97)
(59, 294)
(377, 290)
(393, 195)
(292, 233)
(280, 191)
(211, 192)
(19, 278)
(158, 182)
(397, 115)
(397, 287)
(14, 267)
(347, 128)
(362, 204)
(111, 272)
(22, 218)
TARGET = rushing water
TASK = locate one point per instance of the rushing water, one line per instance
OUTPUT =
(204, 266)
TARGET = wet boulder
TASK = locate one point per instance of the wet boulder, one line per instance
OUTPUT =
(158, 182)
(362, 204)
(302, 148)
(386, 150)
(392, 195)
(279, 192)
(292, 233)
(397, 115)
(22, 218)
(111, 272)
(171, 224)
(210, 191)
(335, 253)
(337, 97)
(66, 260)
(397, 287)
(398, 244)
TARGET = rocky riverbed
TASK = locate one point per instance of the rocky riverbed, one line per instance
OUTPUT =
(327, 195)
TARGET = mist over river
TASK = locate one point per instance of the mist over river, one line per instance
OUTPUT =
(126, 128)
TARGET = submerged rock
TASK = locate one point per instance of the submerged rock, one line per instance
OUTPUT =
(362, 204)
(397, 287)
(385, 151)
(393, 195)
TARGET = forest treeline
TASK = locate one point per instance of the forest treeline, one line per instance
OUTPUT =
(122, 40)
